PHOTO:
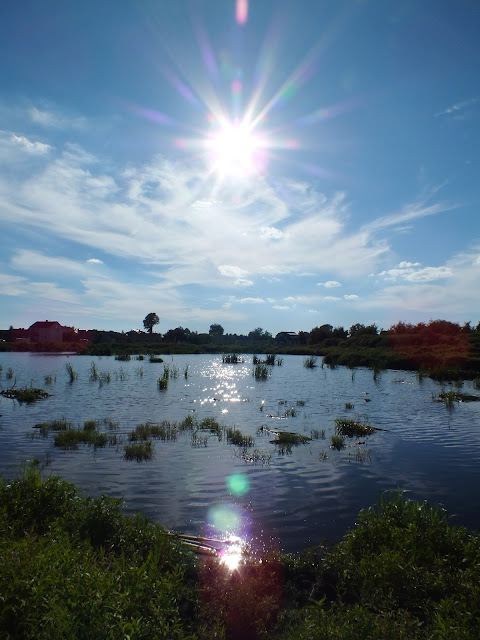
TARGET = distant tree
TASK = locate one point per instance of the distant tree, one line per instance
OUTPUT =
(259, 334)
(150, 320)
(216, 330)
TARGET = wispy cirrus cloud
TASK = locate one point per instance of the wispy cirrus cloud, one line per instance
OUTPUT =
(458, 107)
(50, 118)
(411, 272)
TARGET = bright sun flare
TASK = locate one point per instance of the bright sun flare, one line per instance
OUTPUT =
(236, 151)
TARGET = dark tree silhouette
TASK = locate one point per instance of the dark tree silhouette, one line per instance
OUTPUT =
(216, 330)
(150, 320)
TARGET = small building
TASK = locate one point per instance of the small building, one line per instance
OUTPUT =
(287, 338)
(44, 332)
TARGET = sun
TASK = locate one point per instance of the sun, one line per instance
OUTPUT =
(236, 151)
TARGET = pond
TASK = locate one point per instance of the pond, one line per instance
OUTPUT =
(295, 496)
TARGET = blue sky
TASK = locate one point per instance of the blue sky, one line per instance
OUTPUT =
(265, 163)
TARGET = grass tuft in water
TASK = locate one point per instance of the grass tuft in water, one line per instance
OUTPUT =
(349, 405)
(26, 394)
(232, 358)
(450, 397)
(337, 442)
(155, 359)
(163, 383)
(352, 428)
(72, 375)
(139, 451)
(261, 372)
(289, 438)
(71, 438)
(236, 437)
(310, 362)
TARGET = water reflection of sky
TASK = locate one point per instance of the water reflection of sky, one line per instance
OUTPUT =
(300, 497)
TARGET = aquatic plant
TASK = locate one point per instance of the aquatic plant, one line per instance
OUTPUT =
(139, 372)
(71, 438)
(261, 372)
(337, 442)
(323, 455)
(71, 373)
(187, 423)
(90, 425)
(301, 403)
(232, 358)
(450, 397)
(9, 374)
(111, 424)
(236, 437)
(211, 425)
(352, 428)
(53, 425)
(165, 431)
(289, 438)
(361, 455)
(139, 451)
(26, 394)
(185, 373)
(163, 383)
(93, 372)
(155, 359)
(48, 379)
(317, 434)
(123, 357)
(349, 405)
(255, 456)
(310, 362)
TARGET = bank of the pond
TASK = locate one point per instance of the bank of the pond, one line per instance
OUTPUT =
(76, 567)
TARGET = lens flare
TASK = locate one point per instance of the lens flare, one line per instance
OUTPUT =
(235, 150)
(238, 484)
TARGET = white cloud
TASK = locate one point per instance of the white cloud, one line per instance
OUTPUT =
(55, 120)
(95, 261)
(331, 298)
(251, 301)
(458, 106)
(351, 296)
(330, 284)
(281, 307)
(410, 272)
(236, 273)
(34, 148)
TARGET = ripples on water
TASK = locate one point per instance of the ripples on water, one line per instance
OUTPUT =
(299, 498)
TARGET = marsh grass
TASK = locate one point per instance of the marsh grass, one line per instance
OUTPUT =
(289, 438)
(163, 383)
(90, 425)
(236, 437)
(212, 426)
(49, 379)
(349, 405)
(25, 394)
(337, 442)
(310, 362)
(165, 431)
(139, 451)
(255, 456)
(361, 455)
(317, 434)
(9, 374)
(352, 428)
(71, 438)
(232, 358)
(111, 424)
(93, 372)
(123, 357)
(155, 359)
(72, 374)
(53, 425)
(450, 397)
(261, 372)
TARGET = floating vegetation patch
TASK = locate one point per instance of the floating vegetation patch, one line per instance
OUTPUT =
(139, 451)
(352, 428)
(337, 442)
(232, 358)
(300, 403)
(449, 397)
(163, 383)
(261, 372)
(123, 357)
(310, 362)
(289, 438)
(26, 394)
(155, 359)
(236, 437)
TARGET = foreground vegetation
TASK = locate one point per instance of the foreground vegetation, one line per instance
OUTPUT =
(75, 567)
